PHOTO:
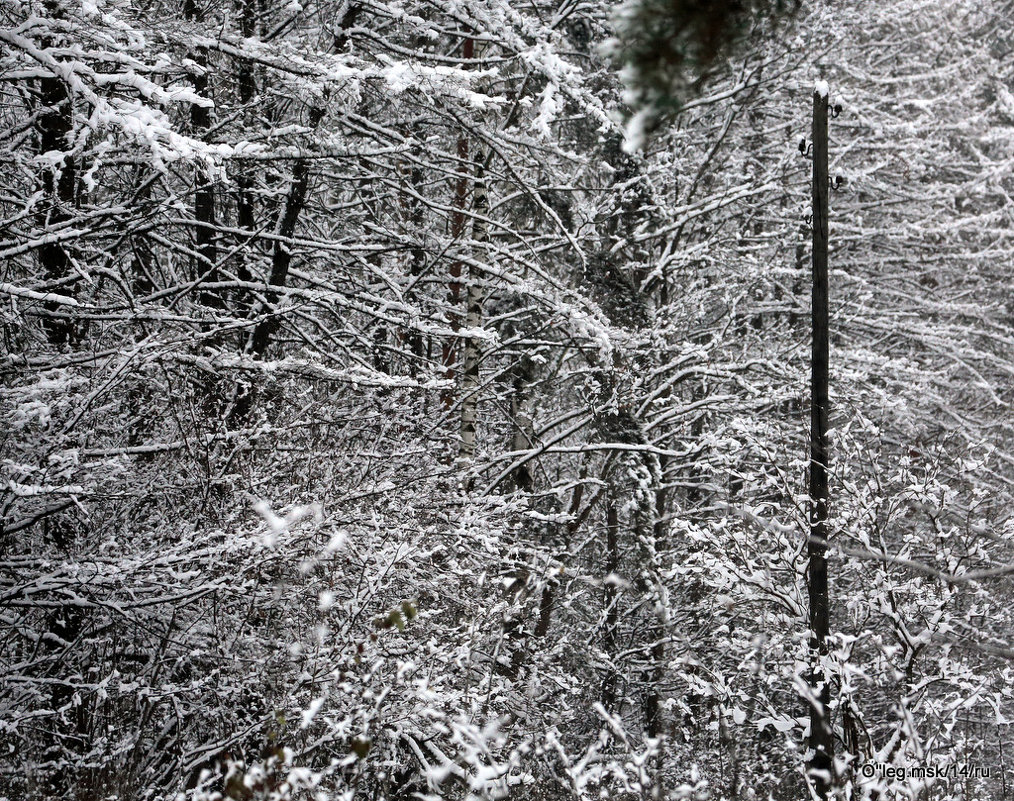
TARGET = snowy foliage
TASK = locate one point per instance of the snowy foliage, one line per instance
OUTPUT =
(381, 424)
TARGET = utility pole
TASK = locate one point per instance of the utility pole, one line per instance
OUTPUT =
(820, 761)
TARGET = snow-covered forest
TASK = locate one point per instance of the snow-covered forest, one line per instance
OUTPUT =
(411, 399)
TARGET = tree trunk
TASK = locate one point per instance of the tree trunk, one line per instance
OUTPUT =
(523, 437)
(58, 185)
(457, 230)
(281, 258)
(245, 205)
(206, 268)
(417, 262)
(473, 319)
(548, 600)
(612, 616)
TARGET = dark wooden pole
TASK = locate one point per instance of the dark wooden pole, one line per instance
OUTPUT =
(821, 743)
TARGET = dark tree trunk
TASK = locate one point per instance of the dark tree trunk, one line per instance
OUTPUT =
(653, 702)
(612, 617)
(58, 185)
(449, 355)
(472, 348)
(522, 374)
(281, 258)
(418, 262)
(206, 269)
(245, 207)
(548, 600)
